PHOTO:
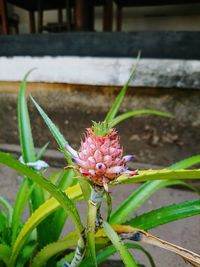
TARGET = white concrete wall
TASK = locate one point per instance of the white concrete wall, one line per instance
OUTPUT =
(138, 19)
(103, 71)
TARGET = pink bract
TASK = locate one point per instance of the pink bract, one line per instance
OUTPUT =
(101, 158)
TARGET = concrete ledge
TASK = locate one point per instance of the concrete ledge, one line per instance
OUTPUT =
(103, 71)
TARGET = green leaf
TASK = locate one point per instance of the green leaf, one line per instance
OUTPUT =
(66, 179)
(139, 112)
(66, 203)
(58, 218)
(85, 187)
(26, 254)
(4, 253)
(141, 194)
(3, 225)
(109, 204)
(52, 249)
(120, 247)
(159, 175)
(54, 178)
(166, 214)
(38, 199)
(42, 151)
(22, 197)
(108, 251)
(28, 152)
(138, 197)
(8, 207)
(53, 129)
(40, 214)
(186, 163)
(68, 258)
(26, 139)
(114, 109)
(5, 229)
(91, 218)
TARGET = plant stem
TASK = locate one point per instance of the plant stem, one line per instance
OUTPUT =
(79, 253)
(97, 198)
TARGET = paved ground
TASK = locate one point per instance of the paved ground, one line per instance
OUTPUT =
(184, 233)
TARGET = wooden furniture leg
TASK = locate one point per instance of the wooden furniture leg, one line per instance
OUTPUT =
(4, 17)
(119, 18)
(84, 15)
(68, 15)
(108, 15)
(40, 15)
(32, 21)
(60, 16)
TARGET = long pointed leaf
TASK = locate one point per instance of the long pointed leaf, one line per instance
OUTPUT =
(58, 218)
(139, 112)
(42, 151)
(22, 197)
(66, 203)
(108, 251)
(4, 253)
(26, 254)
(53, 129)
(122, 250)
(159, 175)
(52, 249)
(8, 208)
(137, 198)
(28, 153)
(26, 139)
(141, 194)
(114, 109)
(166, 214)
(129, 232)
(40, 214)
(186, 163)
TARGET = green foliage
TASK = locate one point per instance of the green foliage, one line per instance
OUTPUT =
(23, 195)
(66, 203)
(115, 107)
(166, 214)
(139, 112)
(110, 250)
(53, 129)
(42, 151)
(186, 163)
(121, 249)
(54, 248)
(159, 175)
(26, 139)
(28, 188)
(9, 210)
(138, 197)
(4, 253)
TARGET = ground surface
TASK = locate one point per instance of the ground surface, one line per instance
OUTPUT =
(185, 233)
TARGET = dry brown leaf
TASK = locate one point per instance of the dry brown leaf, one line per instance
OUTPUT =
(137, 235)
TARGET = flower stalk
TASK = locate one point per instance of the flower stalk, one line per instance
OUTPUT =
(96, 199)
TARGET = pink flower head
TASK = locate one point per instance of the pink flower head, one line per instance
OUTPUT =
(101, 158)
